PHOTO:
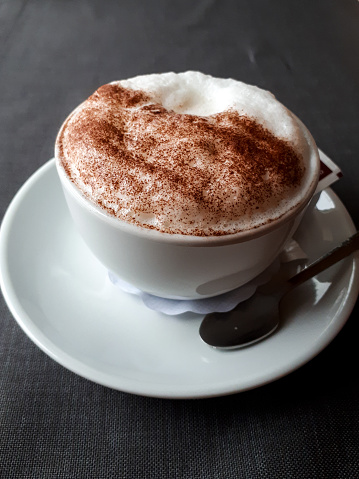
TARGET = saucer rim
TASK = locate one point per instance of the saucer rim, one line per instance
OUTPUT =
(133, 386)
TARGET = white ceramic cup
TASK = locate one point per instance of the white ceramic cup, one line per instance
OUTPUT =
(180, 266)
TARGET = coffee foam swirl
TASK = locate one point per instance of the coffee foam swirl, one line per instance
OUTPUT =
(182, 153)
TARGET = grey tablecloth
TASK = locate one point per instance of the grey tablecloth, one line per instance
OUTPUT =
(53, 54)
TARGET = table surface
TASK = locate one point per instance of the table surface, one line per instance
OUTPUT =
(53, 54)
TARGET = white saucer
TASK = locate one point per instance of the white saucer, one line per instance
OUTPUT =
(62, 298)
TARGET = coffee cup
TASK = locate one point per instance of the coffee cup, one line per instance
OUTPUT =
(185, 266)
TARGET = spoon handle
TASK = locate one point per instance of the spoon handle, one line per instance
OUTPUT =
(345, 249)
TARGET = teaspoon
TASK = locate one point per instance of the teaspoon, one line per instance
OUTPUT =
(258, 317)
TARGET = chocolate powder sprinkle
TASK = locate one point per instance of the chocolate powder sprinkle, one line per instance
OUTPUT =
(188, 174)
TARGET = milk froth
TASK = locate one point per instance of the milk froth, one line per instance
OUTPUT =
(186, 154)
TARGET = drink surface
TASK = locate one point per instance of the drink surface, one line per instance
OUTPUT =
(186, 154)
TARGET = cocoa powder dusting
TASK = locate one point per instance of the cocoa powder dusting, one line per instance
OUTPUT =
(147, 161)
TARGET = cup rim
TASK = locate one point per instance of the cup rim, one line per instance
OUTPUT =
(192, 240)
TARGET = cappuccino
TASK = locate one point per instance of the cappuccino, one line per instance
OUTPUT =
(187, 154)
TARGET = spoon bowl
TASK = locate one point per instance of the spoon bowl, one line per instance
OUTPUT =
(258, 317)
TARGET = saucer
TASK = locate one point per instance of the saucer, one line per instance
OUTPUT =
(62, 298)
